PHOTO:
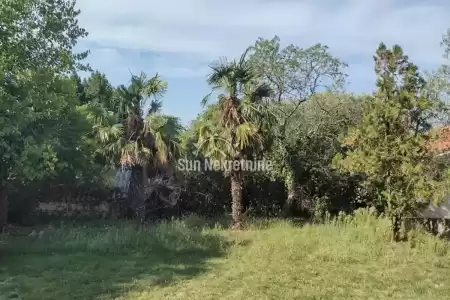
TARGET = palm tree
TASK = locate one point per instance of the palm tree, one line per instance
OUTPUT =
(136, 134)
(139, 145)
(233, 129)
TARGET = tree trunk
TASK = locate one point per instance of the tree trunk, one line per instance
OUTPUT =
(292, 197)
(396, 228)
(3, 209)
(136, 193)
(236, 199)
(144, 193)
(145, 180)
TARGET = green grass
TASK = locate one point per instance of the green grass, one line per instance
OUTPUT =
(347, 258)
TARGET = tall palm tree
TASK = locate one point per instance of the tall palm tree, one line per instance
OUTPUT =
(136, 133)
(131, 102)
(234, 128)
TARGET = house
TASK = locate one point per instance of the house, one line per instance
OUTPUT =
(442, 147)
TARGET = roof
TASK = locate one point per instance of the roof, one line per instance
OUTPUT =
(442, 143)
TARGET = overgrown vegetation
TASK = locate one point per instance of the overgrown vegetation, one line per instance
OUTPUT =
(343, 258)
(286, 105)
(67, 135)
(390, 147)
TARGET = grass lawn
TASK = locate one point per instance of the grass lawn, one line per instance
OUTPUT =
(350, 258)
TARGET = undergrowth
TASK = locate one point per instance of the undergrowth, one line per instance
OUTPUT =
(346, 257)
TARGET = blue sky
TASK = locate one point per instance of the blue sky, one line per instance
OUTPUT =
(179, 38)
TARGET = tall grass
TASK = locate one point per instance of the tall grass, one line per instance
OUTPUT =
(343, 236)
(360, 238)
(124, 238)
(344, 257)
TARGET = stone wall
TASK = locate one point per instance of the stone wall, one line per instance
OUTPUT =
(69, 209)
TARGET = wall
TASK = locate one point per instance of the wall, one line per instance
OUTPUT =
(67, 209)
(437, 212)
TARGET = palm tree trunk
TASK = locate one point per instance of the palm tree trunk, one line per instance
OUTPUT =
(141, 208)
(236, 199)
(3, 209)
(145, 180)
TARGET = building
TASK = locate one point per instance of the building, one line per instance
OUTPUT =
(442, 147)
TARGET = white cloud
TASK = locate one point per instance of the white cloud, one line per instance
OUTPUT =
(183, 72)
(188, 34)
(211, 28)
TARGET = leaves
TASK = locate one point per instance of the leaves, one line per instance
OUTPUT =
(125, 135)
(232, 128)
(294, 73)
(390, 146)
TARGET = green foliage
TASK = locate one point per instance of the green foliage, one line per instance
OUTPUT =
(279, 103)
(294, 73)
(438, 86)
(304, 156)
(38, 34)
(232, 126)
(97, 89)
(391, 145)
(232, 130)
(123, 131)
(312, 136)
(37, 38)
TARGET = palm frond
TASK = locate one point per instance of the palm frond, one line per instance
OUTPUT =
(112, 149)
(125, 101)
(96, 113)
(221, 71)
(129, 153)
(163, 154)
(133, 99)
(205, 99)
(259, 93)
(155, 86)
(165, 131)
(246, 134)
(155, 106)
(235, 122)
(134, 153)
(243, 58)
(108, 134)
(212, 141)
(169, 126)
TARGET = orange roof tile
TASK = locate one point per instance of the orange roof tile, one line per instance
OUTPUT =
(442, 143)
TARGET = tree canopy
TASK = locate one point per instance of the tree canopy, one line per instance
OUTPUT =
(331, 150)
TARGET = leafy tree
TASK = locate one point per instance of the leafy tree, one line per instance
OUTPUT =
(391, 145)
(438, 87)
(294, 74)
(36, 48)
(80, 87)
(97, 88)
(234, 127)
(310, 143)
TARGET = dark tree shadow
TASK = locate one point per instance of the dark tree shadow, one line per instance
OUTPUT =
(84, 264)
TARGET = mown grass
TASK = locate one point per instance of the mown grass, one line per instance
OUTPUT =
(345, 258)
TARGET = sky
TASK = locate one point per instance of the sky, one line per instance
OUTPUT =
(179, 38)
